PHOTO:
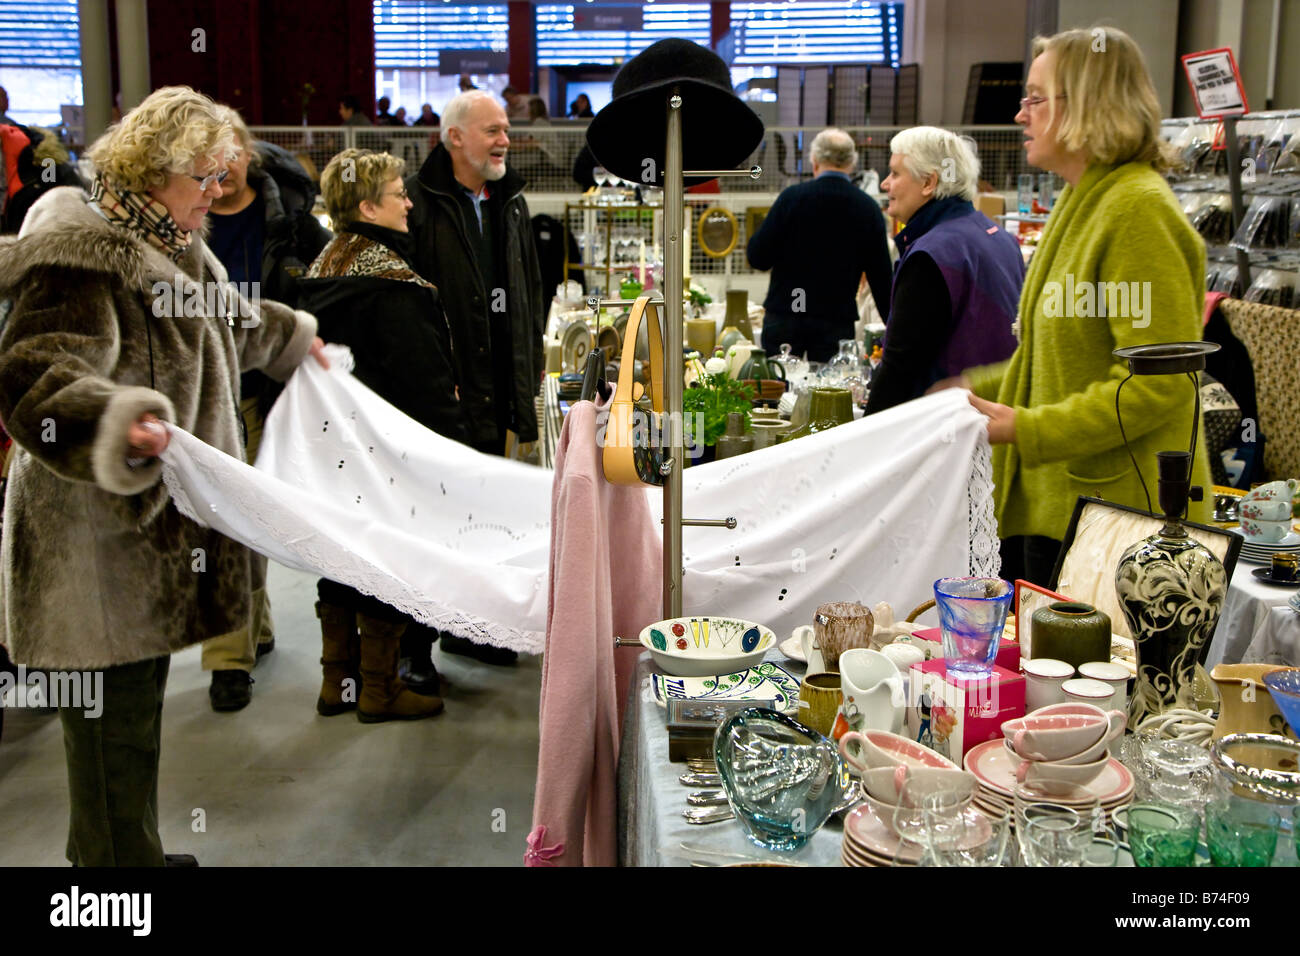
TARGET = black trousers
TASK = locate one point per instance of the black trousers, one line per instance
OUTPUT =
(1030, 557)
(113, 769)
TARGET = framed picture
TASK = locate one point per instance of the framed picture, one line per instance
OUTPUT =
(1099, 534)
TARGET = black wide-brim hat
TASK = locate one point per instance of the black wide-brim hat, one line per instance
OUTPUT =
(719, 131)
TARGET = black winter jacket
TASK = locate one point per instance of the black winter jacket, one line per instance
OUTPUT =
(365, 296)
(444, 252)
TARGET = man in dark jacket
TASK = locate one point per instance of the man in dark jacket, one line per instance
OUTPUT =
(818, 240)
(262, 229)
(472, 237)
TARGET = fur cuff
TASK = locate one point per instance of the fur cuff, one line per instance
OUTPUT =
(109, 453)
(296, 349)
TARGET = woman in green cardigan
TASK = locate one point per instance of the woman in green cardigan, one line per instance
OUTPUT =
(1118, 265)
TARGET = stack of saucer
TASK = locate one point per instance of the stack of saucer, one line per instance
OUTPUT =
(870, 841)
(1255, 551)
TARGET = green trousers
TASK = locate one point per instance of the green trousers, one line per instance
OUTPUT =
(113, 769)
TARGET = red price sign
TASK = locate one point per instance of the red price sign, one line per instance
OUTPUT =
(1216, 83)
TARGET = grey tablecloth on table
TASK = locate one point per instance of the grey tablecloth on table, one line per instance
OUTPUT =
(651, 800)
(1256, 626)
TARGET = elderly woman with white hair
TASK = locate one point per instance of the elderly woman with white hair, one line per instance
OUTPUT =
(957, 282)
(99, 571)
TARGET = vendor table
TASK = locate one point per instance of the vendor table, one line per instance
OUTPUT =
(651, 799)
(1256, 625)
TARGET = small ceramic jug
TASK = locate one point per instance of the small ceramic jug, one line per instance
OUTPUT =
(760, 367)
(871, 691)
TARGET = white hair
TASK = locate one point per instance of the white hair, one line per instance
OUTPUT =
(929, 150)
(835, 149)
(458, 108)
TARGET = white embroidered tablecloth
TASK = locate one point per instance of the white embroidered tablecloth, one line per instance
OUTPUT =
(348, 487)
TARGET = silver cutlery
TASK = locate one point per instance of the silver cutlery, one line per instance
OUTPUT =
(696, 779)
(702, 815)
(707, 798)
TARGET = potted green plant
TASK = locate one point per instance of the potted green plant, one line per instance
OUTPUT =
(706, 404)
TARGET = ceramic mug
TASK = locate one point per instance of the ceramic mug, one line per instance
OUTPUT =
(1043, 679)
(871, 691)
(840, 626)
(1267, 531)
(812, 652)
(819, 702)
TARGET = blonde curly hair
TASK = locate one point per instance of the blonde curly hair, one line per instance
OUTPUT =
(173, 129)
(352, 177)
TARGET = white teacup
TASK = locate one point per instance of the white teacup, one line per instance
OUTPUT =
(907, 786)
(1274, 491)
(1267, 531)
(1265, 509)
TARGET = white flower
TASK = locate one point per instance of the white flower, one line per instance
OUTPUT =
(715, 365)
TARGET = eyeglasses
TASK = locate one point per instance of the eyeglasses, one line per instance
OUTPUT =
(205, 182)
(401, 194)
(1029, 101)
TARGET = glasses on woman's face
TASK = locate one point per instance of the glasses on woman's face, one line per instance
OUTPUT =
(1030, 101)
(401, 194)
(205, 182)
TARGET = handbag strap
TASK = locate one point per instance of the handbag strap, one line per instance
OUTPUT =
(641, 308)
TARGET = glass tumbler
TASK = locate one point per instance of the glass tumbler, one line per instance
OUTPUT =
(1241, 832)
(972, 612)
(1163, 834)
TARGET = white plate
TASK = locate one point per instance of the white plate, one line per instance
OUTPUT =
(869, 834)
(766, 682)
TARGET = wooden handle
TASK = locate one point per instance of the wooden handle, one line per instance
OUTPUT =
(918, 611)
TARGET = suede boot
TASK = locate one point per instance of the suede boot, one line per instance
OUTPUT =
(341, 686)
(383, 696)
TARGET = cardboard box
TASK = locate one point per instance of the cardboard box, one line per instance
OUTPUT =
(952, 714)
(991, 204)
(930, 640)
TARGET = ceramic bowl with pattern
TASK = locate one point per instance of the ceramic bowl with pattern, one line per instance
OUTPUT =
(706, 646)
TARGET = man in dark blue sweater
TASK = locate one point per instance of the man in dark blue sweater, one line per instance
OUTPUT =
(818, 240)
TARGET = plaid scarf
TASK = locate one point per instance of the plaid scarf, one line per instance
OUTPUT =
(143, 216)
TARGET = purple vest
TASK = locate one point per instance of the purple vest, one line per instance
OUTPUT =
(983, 269)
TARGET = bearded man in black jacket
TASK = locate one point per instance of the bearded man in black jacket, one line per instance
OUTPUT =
(472, 237)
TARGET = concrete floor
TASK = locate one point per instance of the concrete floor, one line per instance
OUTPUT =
(281, 786)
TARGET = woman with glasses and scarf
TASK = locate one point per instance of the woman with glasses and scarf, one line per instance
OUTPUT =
(367, 297)
(1118, 265)
(99, 572)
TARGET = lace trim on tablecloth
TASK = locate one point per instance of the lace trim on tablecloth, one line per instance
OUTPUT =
(985, 556)
(297, 535)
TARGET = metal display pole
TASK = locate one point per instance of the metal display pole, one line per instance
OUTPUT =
(674, 209)
(1234, 190)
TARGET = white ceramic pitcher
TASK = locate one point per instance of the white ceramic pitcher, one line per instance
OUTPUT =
(872, 693)
(811, 652)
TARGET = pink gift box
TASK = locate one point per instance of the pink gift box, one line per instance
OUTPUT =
(1008, 650)
(952, 714)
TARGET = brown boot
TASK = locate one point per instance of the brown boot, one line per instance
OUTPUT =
(383, 696)
(341, 686)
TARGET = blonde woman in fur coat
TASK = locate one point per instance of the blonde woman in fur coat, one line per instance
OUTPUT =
(99, 572)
